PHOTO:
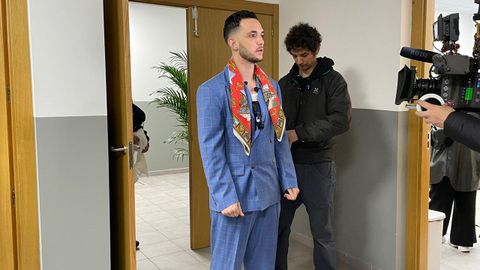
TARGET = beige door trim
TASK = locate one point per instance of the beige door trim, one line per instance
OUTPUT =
(418, 159)
(16, 53)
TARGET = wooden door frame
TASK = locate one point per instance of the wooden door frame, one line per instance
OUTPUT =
(423, 12)
(15, 61)
(197, 201)
(7, 244)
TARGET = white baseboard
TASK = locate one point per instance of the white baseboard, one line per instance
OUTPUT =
(168, 171)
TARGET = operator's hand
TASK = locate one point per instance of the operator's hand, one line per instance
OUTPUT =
(292, 136)
(291, 194)
(435, 114)
(233, 210)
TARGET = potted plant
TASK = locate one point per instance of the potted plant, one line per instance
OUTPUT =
(174, 98)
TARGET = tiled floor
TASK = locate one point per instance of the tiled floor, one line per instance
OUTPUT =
(163, 231)
(163, 228)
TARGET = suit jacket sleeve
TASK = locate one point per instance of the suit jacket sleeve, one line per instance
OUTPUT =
(286, 169)
(211, 138)
(463, 128)
(338, 116)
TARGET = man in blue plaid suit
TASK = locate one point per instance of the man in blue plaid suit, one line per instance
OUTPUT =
(246, 158)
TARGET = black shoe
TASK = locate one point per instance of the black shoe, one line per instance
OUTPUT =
(136, 245)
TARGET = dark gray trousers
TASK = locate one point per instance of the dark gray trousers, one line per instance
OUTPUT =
(317, 186)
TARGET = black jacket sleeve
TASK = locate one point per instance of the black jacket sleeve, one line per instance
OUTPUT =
(338, 115)
(464, 129)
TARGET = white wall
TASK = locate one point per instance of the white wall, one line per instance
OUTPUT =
(67, 61)
(155, 31)
(364, 39)
(69, 88)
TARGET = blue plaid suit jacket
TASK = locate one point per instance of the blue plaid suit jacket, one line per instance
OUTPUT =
(256, 181)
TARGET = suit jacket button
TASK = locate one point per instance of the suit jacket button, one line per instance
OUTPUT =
(271, 141)
(253, 167)
(273, 161)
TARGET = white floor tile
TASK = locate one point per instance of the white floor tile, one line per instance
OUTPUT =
(159, 249)
(146, 265)
(178, 260)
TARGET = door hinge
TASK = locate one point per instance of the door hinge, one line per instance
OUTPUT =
(8, 94)
(13, 198)
(195, 21)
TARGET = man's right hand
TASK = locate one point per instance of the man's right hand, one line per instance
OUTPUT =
(233, 210)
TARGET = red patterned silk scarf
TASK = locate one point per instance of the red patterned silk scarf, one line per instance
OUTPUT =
(241, 113)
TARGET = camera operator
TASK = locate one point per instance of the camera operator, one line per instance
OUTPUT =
(459, 126)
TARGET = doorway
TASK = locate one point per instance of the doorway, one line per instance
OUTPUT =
(158, 39)
(207, 56)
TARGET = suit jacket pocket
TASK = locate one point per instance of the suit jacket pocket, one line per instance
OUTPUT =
(237, 169)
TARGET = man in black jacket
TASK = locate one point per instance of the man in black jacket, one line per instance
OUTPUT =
(317, 106)
(459, 126)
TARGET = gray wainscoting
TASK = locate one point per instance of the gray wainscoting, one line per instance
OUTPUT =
(73, 188)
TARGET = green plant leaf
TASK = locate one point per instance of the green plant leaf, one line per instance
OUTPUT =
(174, 98)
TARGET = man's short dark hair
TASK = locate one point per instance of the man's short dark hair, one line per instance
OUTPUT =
(303, 36)
(233, 21)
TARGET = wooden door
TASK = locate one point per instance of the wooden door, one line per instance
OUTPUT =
(7, 247)
(120, 132)
(19, 230)
(208, 55)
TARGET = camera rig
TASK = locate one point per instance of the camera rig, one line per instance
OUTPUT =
(454, 79)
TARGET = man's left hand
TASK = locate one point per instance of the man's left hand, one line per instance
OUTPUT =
(291, 194)
(292, 136)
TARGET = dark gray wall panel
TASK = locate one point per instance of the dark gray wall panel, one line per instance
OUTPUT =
(369, 197)
(73, 192)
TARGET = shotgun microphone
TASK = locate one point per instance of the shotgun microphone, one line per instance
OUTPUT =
(417, 54)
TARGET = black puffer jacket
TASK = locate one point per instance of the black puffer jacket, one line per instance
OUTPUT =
(318, 108)
(463, 128)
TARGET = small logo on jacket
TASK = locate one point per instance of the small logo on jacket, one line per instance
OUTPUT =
(315, 90)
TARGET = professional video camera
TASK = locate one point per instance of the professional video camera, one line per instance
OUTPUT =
(454, 78)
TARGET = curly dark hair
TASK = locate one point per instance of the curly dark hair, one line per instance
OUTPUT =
(303, 36)
(233, 21)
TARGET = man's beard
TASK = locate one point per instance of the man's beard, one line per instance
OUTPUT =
(245, 54)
